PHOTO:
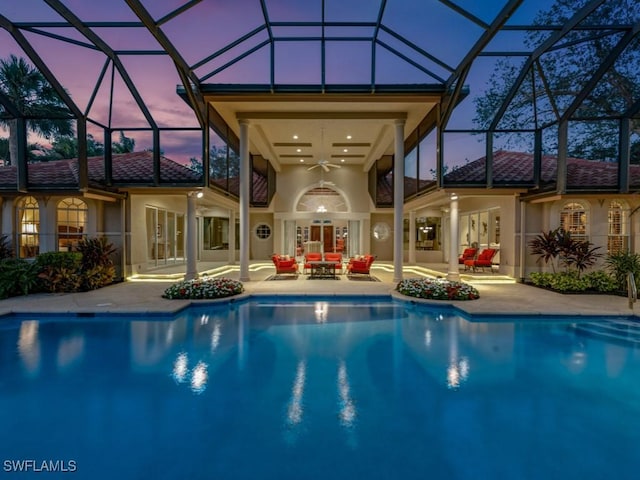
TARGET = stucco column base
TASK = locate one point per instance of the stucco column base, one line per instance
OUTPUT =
(453, 276)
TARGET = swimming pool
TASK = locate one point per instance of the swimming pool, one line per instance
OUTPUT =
(321, 388)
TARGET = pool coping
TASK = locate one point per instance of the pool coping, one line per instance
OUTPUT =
(164, 310)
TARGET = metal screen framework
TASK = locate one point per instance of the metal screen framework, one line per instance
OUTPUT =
(68, 26)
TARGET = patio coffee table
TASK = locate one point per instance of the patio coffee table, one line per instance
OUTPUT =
(320, 269)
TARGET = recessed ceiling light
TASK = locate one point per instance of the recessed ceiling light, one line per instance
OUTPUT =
(348, 137)
(342, 160)
(295, 137)
(345, 150)
(298, 150)
(302, 160)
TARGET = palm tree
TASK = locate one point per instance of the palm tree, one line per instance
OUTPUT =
(34, 97)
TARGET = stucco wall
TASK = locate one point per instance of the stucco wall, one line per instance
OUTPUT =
(381, 249)
(261, 249)
(294, 180)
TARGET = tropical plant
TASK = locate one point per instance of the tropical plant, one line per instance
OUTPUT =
(6, 251)
(125, 145)
(581, 255)
(546, 246)
(17, 277)
(620, 264)
(30, 93)
(96, 266)
(558, 244)
(59, 271)
(204, 288)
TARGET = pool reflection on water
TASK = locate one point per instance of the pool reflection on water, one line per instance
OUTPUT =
(323, 388)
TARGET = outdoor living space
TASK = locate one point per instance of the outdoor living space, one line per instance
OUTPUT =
(498, 296)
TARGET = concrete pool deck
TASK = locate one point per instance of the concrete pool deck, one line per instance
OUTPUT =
(496, 296)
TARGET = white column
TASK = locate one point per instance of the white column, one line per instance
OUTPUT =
(245, 179)
(453, 273)
(398, 199)
(192, 241)
(232, 237)
(412, 237)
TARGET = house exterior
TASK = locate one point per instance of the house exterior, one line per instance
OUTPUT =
(362, 160)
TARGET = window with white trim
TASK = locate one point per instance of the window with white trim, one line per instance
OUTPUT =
(574, 219)
(263, 231)
(72, 223)
(618, 230)
(29, 228)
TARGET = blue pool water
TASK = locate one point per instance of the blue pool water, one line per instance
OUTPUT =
(319, 390)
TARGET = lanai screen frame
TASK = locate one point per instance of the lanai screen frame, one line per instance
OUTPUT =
(192, 84)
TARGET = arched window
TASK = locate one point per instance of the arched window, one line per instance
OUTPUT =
(72, 223)
(618, 231)
(28, 228)
(574, 219)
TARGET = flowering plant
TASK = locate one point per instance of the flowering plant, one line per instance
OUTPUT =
(437, 289)
(202, 288)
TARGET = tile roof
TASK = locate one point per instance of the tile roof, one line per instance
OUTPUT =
(135, 167)
(517, 167)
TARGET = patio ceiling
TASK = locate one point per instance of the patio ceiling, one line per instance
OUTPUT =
(304, 129)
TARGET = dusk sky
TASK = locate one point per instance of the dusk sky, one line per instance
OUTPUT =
(213, 24)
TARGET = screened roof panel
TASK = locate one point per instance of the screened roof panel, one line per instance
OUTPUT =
(91, 11)
(418, 41)
(439, 30)
(348, 63)
(209, 26)
(352, 10)
(29, 11)
(619, 87)
(293, 11)
(159, 96)
(128, 38)
(75, 67)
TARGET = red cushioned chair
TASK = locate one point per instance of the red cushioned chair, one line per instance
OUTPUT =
(285, 265)
(311, 257)
(468, 254)
(360, 265)
(484, 260)
(335, 258)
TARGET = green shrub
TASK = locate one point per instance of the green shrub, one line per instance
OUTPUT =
(204, 288)
(97, 269)
(620, 264)
(5, 247)
(568, 282)
(601, 281)
(17, 277)
(541, 279)
(437, 289)
(58, 272)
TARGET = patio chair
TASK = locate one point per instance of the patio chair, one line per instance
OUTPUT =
(285, 264)
(467, 254)
(335, 258)
(484, 260)
(311, 257)
(360, 265)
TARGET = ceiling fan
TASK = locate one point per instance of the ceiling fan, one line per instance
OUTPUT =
(325, 165)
